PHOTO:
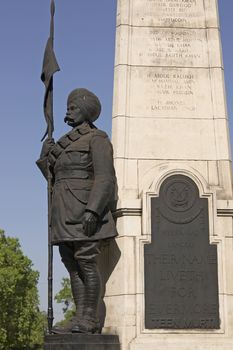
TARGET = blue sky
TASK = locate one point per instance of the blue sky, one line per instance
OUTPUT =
(84, 44)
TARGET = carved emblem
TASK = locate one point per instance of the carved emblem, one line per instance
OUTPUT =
(179, 196)
(179, 199)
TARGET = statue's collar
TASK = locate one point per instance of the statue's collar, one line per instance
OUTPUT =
(83, 129)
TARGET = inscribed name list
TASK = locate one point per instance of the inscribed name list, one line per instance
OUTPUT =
(174, 47)
(171, 13)
(170, 92)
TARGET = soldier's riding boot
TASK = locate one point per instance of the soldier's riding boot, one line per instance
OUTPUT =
(78, 293)
(92, 281)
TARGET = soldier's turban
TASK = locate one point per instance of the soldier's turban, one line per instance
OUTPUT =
(87, 102)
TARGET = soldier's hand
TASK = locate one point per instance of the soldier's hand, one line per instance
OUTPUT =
(90, 222)
(47, 145)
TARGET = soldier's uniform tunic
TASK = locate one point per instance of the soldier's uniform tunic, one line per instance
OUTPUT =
(84, 179)
(83, 176)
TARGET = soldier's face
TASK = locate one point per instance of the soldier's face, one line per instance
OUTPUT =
(74, 115)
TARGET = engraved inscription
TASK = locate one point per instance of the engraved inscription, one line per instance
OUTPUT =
(169, 13)
(185, 323)
(169, 92)
(181, 284)
(169, 47)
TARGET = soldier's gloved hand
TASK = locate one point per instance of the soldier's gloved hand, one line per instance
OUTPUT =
(47, 145)
(90, 222)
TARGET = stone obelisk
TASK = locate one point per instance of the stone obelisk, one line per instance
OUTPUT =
(173, 285)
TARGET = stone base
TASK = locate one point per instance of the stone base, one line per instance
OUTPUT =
(81, 342)
(197, 344)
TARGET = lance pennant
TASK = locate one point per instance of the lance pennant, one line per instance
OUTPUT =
(49, 67)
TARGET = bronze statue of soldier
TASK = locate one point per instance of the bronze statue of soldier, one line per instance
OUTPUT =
(84, 182)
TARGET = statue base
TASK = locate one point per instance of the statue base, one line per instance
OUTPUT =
(71, 341)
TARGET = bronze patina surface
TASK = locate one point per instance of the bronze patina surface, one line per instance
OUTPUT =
(83, 192)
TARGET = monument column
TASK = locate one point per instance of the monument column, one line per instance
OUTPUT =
(173, 163)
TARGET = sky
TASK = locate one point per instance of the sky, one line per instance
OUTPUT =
(84, 45)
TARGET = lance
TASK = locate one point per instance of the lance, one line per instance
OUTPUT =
(50, 66)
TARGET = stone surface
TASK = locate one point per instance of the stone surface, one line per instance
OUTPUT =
(184, 344)
(153, 46)
(173, 92)
(164, 13)
(169, 118)
(198, 142)
(81, 342)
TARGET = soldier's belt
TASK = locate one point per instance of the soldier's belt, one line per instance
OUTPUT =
(73, 174)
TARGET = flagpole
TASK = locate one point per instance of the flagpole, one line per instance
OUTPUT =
(52, 12)
(50, 247)
(50, 260)
(49, 67)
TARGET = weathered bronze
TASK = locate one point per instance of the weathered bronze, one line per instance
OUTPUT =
(83, 190)
(181, 281)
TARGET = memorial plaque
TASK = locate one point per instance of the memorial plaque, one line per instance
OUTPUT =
(181, 282)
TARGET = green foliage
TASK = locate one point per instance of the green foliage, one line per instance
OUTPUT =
(64, 296)
(21, 322)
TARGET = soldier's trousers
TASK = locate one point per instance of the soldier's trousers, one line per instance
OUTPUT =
(79, 259)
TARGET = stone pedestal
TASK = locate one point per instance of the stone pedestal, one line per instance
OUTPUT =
(170, 119)
(81, 342)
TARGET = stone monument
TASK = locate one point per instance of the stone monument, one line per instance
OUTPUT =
(172, 287)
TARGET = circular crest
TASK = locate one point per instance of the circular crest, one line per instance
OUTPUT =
(179, 199)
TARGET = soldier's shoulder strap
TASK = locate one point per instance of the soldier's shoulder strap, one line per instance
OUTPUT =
(99, 132)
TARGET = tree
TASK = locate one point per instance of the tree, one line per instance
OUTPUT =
(64, 296)
(21, 322)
